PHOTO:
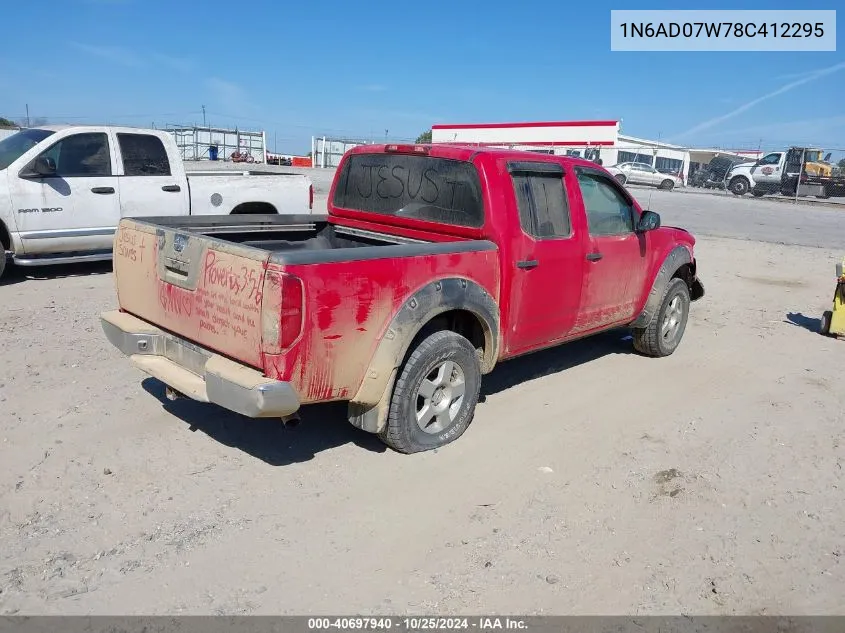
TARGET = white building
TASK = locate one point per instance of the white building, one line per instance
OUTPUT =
(593, 140)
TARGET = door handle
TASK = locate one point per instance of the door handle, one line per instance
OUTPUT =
(171, 188)
(102, 190)
(594, 257)
(527, 263)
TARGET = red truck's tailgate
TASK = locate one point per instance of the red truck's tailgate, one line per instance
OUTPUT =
(203, 289)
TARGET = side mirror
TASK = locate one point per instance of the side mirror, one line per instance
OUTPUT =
(44, 166)
(649, 221)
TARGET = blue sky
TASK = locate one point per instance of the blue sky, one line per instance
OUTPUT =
(359, 68)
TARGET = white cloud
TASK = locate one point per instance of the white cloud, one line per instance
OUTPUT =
(181, 64)
(229, 95)
(810, 76)
(116, 54)
(802, 131)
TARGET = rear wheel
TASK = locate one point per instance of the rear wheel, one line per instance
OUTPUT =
(663, 334)
(435, 395)
(622, 178)
(2, 260)
(758, 193)
(667, 184)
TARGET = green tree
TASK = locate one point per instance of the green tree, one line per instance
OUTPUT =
(425, 137)
(4, 122)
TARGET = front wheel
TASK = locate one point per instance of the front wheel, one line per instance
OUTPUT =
(435, 395)
(739, 186)
(663, 334)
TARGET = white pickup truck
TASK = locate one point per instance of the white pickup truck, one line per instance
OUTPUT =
(760, 178)
(63, 190)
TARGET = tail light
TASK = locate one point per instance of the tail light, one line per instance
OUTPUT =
(407, 149)
(311, 197)
(282, 311)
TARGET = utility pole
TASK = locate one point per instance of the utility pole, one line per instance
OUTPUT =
(203, 117)
(27, 115)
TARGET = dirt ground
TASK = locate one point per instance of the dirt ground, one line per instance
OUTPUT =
(592, 480)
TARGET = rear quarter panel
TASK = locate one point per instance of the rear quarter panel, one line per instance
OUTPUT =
(349, 305)
(221, 194)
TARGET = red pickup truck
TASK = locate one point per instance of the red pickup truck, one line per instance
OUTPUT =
(434, 263)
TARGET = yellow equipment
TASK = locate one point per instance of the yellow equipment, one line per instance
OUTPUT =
(814, 164)
(833, 321)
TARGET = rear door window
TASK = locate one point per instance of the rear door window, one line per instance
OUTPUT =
(542, 201)
(408, 186)
(143, 155)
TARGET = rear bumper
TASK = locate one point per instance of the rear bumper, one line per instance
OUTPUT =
(196, 372)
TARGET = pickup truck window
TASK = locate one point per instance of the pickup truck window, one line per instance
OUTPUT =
(143, 155)
(608, 211)
(542, 202)
(770, 159)
(404, 185)
(81, 155)
(16, 145)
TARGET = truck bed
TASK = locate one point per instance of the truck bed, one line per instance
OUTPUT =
(215, 282)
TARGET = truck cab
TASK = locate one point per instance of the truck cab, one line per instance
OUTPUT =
(64, 189)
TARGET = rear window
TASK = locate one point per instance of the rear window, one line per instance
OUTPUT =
(408, 186)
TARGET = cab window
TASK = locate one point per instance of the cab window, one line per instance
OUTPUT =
(81, 155)
(608, 211)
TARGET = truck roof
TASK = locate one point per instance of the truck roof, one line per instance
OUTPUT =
(115, 128)
(466, 152)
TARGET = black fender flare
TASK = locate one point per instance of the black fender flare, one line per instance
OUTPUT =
(368, 407)
(677, 257)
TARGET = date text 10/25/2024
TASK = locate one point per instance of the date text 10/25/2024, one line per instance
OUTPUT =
(418, 623)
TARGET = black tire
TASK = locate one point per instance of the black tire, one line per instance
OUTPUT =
(650, 340)
(429, 362)
(2, 261)
(622, 178)
(824, 327)
(739, 185)
(758, 193)
(667, 184)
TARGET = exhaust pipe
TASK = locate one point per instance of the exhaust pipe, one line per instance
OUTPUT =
(291, 421)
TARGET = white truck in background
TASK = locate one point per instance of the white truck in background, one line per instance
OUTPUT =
(760, 178)
(63, 190)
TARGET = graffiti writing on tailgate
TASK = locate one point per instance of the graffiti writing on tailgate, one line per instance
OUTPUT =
(229, 277)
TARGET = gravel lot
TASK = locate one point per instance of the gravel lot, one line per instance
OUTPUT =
(592, 480)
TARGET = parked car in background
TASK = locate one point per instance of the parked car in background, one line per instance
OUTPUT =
(644, 174)
(63, 190)
(414, 286)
